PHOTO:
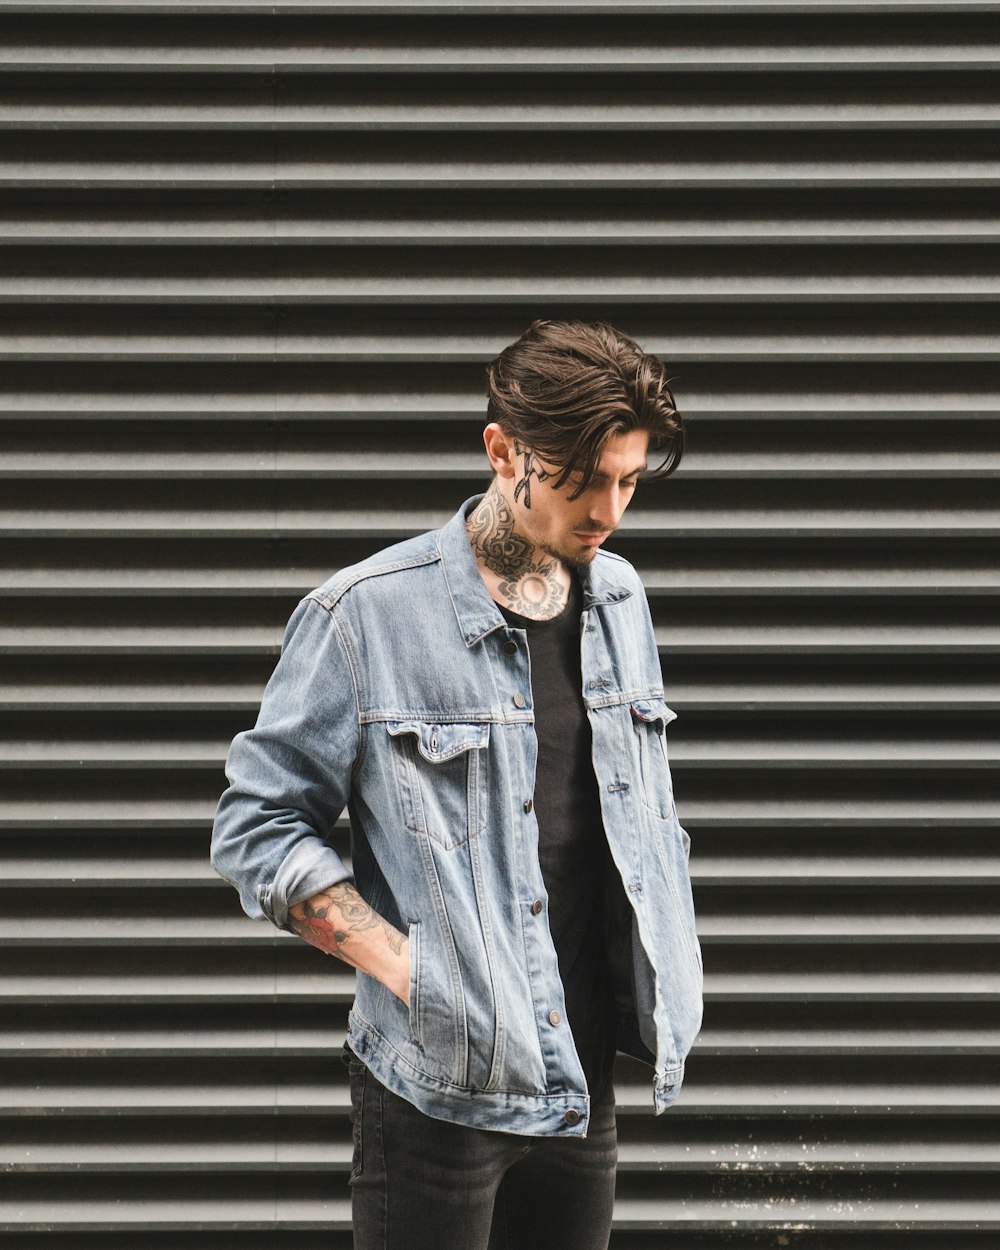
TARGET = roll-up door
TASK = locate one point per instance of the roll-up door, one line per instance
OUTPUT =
(254, 259)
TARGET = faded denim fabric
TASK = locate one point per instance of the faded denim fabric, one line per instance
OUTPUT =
(393, 697)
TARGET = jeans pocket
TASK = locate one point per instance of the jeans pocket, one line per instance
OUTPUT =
(358, 1077)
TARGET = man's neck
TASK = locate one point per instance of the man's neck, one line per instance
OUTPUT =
(517, 574)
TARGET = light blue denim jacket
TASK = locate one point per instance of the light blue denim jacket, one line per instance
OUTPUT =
(394, 697)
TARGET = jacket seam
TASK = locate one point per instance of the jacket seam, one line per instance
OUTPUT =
(352, 667)
(330, 599)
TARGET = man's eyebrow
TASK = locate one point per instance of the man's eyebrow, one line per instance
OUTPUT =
(602, 476)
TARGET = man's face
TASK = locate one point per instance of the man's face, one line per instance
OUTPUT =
(572, 530)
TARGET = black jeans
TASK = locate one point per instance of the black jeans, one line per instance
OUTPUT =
(418, 1183)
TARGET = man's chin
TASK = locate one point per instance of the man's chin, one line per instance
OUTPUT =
(571, 557)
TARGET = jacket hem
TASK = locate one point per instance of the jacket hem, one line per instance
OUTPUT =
(529, 1115)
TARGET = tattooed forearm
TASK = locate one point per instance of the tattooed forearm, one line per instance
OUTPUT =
(393, 937)
(491, 532)
(531, 469)
(329, 920)
(339, 921)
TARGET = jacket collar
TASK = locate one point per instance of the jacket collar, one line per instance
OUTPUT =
(477, 613)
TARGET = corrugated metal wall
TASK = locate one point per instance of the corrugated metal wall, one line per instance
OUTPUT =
(254, 259)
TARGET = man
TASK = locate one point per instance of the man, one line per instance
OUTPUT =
(486, 701)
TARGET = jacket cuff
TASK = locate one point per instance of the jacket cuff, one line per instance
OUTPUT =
(310, 866)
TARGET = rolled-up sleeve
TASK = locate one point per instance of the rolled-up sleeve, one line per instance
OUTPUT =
(290, 776)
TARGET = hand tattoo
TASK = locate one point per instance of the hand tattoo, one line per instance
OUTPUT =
(531, 470)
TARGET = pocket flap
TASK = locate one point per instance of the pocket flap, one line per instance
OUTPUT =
(653, 711)
(437, 742)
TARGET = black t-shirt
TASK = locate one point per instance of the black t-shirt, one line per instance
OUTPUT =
(572, 848)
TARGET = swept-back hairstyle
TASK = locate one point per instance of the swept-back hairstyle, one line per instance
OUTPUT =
(565, 388)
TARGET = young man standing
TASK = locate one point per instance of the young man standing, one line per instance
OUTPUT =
(486, 701)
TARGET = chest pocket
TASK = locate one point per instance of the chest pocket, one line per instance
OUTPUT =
(441, 778)
(650, 718)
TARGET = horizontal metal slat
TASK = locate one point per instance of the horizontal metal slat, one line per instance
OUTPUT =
(526, 8)
(236, 225)
(124, 159)
(684, 37)
(352, 283)
(153, 336)
(227, 108)
(299, 1214)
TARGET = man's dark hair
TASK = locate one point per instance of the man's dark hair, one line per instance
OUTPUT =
(565, 388)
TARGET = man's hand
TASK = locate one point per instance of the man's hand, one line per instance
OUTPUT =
(340, 922)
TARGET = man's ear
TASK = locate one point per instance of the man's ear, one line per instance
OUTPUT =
(500, 449)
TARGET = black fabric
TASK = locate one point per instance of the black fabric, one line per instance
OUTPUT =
(572, 848)
(419, 1183)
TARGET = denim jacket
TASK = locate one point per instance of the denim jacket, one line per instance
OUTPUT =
(399, 696)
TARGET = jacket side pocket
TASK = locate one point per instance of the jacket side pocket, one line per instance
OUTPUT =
(413, 930)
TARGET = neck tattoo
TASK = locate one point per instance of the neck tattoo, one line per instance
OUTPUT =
(529, 582)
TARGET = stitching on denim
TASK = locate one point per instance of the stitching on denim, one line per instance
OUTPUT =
(359, 1146)
(328, 598)
(384, 1193)
(352, 667)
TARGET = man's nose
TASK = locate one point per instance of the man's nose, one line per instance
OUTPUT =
(607, 508)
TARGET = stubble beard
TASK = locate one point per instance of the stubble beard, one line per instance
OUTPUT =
(574, 560)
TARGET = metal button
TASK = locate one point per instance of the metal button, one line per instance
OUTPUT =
(571, 1117)
(555, 1017)
(536, 907)
(509, 647)
(528, 805)
(519, 699)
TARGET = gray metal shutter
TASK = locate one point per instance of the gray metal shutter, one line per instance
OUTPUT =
(254, 259)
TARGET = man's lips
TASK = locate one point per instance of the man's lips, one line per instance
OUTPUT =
(590, 537)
